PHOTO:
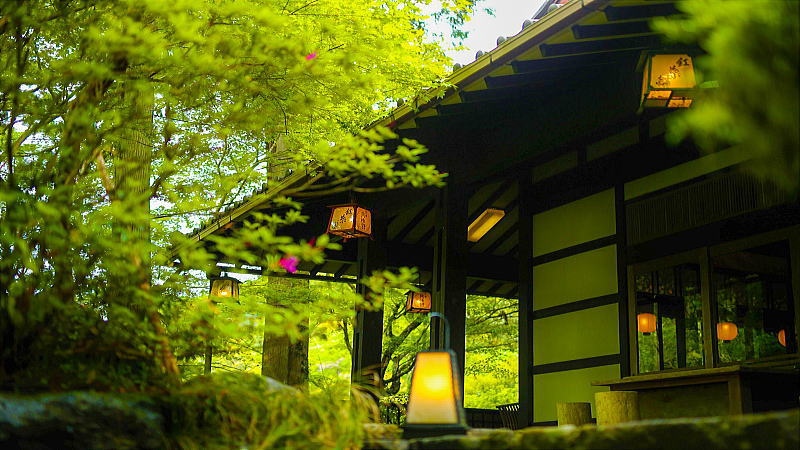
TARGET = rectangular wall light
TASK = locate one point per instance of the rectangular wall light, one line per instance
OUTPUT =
(485, 222)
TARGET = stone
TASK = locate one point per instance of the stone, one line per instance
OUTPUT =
(81, 420)
(775, 431)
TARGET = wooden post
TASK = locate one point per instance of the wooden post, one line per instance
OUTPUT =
(574, 413)
(525, 301)
(616, 407)
(622, 281)
(450, 271)
(368, 326)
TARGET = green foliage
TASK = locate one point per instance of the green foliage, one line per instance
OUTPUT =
(249, 411)
(125, 122)
(491, 369)
(752, 54)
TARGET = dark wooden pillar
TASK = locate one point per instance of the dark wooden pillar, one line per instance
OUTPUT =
(450, 270)
(622, 280)
(525, 300)
(368, 326)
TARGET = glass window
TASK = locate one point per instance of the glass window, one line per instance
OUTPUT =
(669, 318)
(754, 307)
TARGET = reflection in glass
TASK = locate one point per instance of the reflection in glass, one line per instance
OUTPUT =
(672, 296)
(752, 290)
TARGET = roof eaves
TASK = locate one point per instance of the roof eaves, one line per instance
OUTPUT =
(502, 54)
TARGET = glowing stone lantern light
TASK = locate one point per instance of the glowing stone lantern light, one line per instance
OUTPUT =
(350, 221)
(224, 287)
(782, 337)
(727, 331)
(669, 81)
(434, 400)
(418, 302)
(646, 323)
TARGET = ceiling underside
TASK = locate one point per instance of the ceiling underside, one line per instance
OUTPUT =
(595, 41)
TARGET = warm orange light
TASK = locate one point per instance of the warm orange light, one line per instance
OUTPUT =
(418, 302)
(669, 81)
(480, 226)
(350, 221)
(679, 102)
(225, 287)
(672, 72)
(434, 397)
(727, 331)
(659, 95)
(782, 337)
(646, 323)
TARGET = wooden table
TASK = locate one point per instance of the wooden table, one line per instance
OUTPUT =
(711, 392)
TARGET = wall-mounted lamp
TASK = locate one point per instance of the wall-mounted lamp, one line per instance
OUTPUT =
(480, 226)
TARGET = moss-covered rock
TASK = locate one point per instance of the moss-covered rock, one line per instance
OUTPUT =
(81, 420)
(779, 430)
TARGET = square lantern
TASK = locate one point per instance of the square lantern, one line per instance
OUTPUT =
(350, 221)
(669, 81)
(224, 287)
(418, 302)
(434, 400)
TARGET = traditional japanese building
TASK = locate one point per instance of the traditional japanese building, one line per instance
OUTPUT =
(637, 264)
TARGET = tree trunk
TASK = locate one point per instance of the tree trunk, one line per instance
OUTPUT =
(132, 172)
(282, 359)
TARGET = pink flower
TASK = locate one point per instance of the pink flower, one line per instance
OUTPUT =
(311, 56)
(289, 263)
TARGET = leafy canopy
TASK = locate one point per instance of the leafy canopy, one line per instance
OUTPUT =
(124, 122)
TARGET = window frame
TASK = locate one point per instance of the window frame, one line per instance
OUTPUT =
(703, 257)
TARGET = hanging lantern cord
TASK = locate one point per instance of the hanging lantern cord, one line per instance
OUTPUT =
(446, 327)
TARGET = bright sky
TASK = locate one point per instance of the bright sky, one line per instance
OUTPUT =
(484, 29)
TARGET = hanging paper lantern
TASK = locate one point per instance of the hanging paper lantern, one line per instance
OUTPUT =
(225, 287)
(782, 337)
(646, 323)
(727, 331)
(418, 302)
(350, 221)
(669, 81)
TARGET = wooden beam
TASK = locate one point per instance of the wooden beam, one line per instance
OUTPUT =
(414, 222)
(491, 200)
(611, 29)
(603, 45)
(640, 11)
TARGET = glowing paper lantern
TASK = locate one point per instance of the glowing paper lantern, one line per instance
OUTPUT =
(646, 323)
(418, 302)
(727, 331)
(350, 221)
(782, 337)
(669, 81)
